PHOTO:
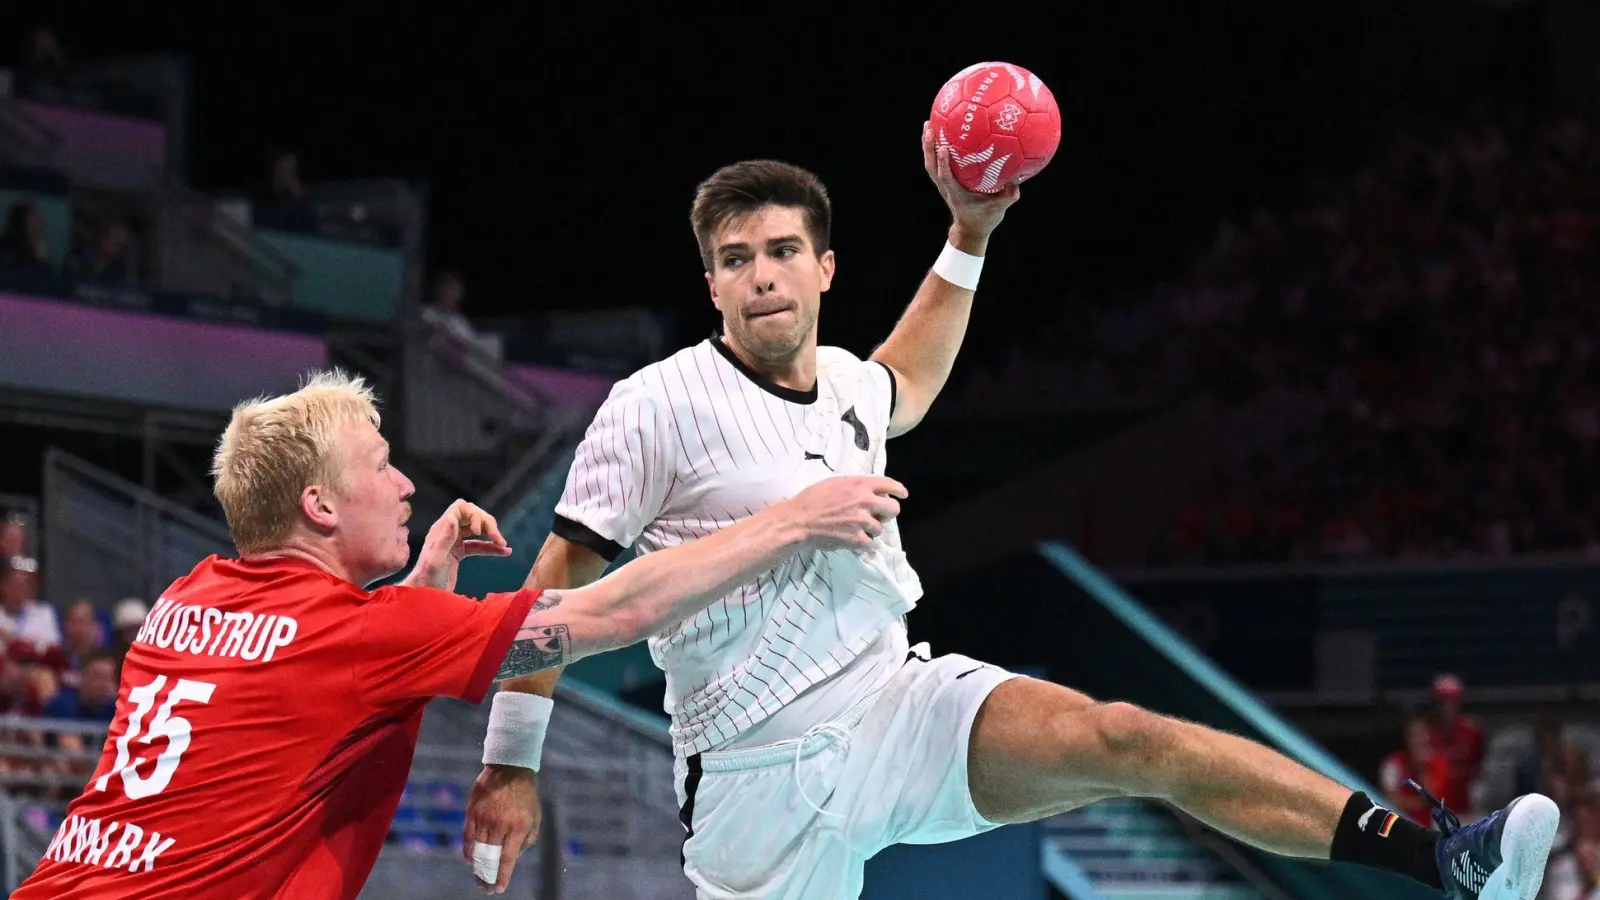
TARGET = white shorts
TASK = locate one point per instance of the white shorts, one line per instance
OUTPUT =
(892, 770)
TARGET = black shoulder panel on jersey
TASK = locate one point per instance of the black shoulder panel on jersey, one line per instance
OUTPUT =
(894, 388)
(579, 533)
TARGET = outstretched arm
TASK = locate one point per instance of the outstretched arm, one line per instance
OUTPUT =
(921, 350)
(669, 585)
(561, 565)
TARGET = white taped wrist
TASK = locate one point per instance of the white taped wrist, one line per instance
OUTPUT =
(517, 724)
(958, 267)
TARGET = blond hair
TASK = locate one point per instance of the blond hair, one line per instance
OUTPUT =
(273, 448)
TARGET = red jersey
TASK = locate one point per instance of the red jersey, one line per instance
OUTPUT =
(1434, 776)
(264, 732)
(1461, 742)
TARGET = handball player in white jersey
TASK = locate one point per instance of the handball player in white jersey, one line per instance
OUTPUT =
(808, 733)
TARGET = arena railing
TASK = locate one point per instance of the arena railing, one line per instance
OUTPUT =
(463, 403)
(531, 467)
(203, 249)
(24, 140)
(606, 781)
(488, 373)
(610, 817)
(38, 777)
(107, 538)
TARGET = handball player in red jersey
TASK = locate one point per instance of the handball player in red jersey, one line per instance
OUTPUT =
(269, 706)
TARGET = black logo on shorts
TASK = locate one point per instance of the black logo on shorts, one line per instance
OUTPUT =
(850, 419)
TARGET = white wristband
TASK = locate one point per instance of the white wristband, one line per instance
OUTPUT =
(958, 267)
(516, 729)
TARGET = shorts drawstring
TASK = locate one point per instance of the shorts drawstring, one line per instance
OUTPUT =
(842, 734)
(839, 732)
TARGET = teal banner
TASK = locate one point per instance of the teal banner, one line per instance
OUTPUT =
(342, 280)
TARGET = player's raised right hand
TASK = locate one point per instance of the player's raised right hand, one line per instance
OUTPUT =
(847, 511)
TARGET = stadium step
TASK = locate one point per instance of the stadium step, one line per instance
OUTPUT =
(1196, 892)
(1138, 850)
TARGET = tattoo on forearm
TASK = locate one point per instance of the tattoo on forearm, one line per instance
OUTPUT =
(535, 649)
(547, 600)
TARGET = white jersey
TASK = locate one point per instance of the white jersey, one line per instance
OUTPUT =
(693, 444)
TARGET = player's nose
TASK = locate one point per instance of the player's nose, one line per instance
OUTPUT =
(406, 487)
(764, 281)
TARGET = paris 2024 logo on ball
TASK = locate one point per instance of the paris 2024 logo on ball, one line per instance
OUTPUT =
(1000, 122)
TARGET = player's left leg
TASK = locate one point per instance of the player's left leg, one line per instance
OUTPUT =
(1037, 749)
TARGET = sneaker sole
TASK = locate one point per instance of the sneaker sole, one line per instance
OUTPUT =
(1525, 844)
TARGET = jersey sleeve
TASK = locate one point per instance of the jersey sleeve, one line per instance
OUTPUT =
(622, 471)
(419, 643)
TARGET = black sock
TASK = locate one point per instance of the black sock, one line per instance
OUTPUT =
(1370, 835)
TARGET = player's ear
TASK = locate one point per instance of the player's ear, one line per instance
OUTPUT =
(826, 261)
(316, 504)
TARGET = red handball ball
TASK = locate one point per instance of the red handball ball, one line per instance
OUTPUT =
(1000, 122)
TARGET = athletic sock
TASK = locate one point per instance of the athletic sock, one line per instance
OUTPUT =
(1370, 835)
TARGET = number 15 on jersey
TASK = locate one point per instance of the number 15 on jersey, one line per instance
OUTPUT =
(175, 728)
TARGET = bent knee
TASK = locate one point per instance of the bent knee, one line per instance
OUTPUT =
(1112, 740)
(1125, 728)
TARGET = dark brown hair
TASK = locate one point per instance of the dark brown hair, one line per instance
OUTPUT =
(744, 187)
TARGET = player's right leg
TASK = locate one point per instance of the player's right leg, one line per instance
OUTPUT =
(1038, 749)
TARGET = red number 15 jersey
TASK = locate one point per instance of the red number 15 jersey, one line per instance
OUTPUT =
(264, 731)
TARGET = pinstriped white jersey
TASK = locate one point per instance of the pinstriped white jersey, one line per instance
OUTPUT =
(692, 444)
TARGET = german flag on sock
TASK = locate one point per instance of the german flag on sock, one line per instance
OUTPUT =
(1388, 823)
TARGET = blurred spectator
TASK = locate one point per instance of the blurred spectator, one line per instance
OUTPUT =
(45, 59)
(449, 295)
(110, 257)
(13, 538)
(83, 638)
(1574, 769)
(22, 245)
(95, 697)
(1575, 860)
(18, 694)
(1458, 739)
(285, 203)
(1417, 761)
(92, 701)
(127, 618)
(65, 660)
(451, 331)
(22, 616)
(1544, 760)
(286, 184)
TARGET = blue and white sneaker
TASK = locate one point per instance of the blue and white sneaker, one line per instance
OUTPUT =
(1499, 857)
